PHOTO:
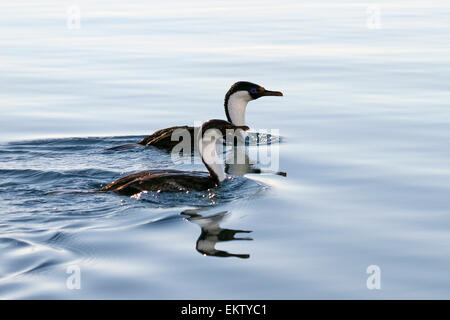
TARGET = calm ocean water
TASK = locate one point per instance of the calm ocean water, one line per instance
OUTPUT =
(365, 120)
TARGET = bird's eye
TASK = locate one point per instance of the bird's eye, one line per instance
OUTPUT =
(253, 90)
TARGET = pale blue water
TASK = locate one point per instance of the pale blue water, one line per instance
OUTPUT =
(366, 123)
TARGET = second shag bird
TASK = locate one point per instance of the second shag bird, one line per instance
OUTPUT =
(236, 100)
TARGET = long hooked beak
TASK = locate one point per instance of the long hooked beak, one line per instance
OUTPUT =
(272, 93)
(263, 92)
(245, 128)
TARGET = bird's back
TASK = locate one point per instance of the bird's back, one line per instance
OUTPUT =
(161, 180)
(163, 138)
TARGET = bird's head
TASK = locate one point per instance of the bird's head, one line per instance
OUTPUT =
(239, 95)
(221, 125)
(251, 90)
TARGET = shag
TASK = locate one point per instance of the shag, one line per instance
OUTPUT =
(175, 180)
(236, 100)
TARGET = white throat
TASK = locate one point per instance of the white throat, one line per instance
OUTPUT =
(209, 155)
(237, 104)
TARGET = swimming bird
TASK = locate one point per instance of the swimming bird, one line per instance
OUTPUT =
(235, 103)
(176, 180)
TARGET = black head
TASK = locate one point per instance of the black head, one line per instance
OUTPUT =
(247, 91)
(254, 90)
(220, 125)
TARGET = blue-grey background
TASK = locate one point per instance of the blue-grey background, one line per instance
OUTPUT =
(365, 118)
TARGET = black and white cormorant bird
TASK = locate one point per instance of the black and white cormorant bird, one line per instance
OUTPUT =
(236, 100)
(175, 180)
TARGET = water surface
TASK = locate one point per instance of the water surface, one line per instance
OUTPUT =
(365, 120)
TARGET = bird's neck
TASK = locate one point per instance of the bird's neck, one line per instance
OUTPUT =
(235, 106)
(211, 160)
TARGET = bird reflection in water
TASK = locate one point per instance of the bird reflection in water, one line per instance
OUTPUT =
(212, 233)
(238, 163)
